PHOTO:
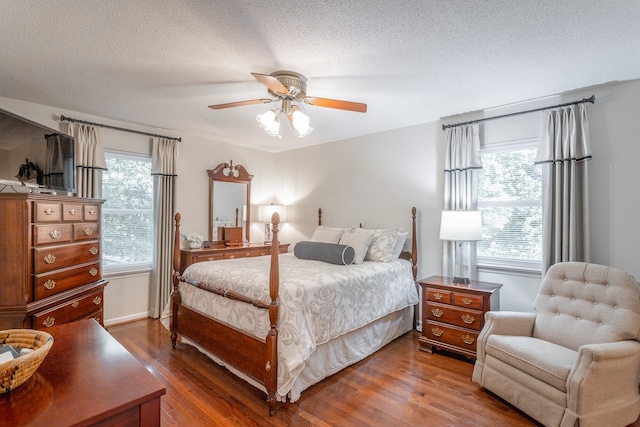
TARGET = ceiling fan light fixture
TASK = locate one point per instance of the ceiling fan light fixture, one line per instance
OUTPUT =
(270, 122)
(301, 123)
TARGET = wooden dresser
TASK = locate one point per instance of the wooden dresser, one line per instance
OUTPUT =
(453, 314)
(191, 256)
(50, 260)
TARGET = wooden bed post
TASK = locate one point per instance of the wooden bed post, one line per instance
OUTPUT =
(175, 295)
(414, 244)
(271, 366)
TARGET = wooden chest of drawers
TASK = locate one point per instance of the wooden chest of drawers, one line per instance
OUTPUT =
(50, 259)
(453, 314)
(191, 256)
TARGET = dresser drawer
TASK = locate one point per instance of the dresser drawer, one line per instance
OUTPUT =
(71, 212)
(89, 305)
(53, 258)
(438, 295)
(86, 231)
(91, 212)
(248, 252)
(52, 234)
(208, 257)
(468, 300)
(46, 212)
(458, 337)
(48, 284)
(454, 316)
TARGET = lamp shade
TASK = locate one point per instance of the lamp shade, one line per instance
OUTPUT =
(462, 226)
(265, 212)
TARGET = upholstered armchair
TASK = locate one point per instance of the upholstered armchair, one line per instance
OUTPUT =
(576, 360)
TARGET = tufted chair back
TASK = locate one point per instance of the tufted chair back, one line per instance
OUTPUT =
(580, 303)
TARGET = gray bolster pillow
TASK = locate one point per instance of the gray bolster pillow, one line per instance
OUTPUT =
(327, 252)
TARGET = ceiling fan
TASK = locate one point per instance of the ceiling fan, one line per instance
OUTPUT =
(288, 87)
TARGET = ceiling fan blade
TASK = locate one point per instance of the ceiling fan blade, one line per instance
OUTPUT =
(241, 103)
(271, 82)
(336, 103)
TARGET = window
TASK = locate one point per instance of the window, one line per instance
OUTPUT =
(510, 199)
(127, 214)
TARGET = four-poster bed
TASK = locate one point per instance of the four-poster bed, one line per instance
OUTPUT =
(278, 331)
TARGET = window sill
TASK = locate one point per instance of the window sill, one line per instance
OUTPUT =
(119, 272)
(516, 270)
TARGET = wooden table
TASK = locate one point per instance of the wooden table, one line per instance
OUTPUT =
(87, 378)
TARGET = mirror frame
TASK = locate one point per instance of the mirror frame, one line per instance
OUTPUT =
(227, 172)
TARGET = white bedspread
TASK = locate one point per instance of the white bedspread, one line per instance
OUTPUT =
(317, 302)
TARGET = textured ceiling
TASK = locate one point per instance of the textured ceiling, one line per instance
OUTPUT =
(161, 63)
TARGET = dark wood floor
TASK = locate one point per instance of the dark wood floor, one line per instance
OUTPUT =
(397, 386)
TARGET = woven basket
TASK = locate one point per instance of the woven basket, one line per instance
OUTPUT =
(15, 372)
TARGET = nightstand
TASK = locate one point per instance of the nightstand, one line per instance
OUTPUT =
(453, 314)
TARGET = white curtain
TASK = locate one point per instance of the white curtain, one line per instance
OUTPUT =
(462, 164)
(563, 153)
(164, 160)
(90, 161)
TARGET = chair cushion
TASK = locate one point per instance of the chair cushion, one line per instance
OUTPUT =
(544, 360)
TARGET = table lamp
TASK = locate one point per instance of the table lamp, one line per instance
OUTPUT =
(264, 215)
(461, 226)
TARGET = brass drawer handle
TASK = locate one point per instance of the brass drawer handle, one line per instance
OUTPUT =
(211, 258)
(75, 304)
(232, 256)
(50, 258)
(48, 322)
(247, 254)
(97, 300)
(98, 319)
(92, 212)
(88, 231)
(262, 253)
(468, 339)
(93, 250)
(437, 332)
(48, 211)
(49, 284)
(73, 212)
(467, 301)
(93, 271)
(437, 312)
(55, 234)
(437, 296)
(468, 319)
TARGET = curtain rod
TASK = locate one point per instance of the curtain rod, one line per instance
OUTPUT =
(69, 119)
(592, 100)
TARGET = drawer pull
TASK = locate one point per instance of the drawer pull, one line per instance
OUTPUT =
(468, 339)
(437, 312)
(93, 271)
(232, 256)
(75, 304)
(73, 212)
(437, 296)
(49, 284)
(247, 254)
(211, 258)
(88, 231)
(467, 301)
(97, 300)
(55, 234)
(48, 211)
(93, 250)
(437, 332)
(50, 258)
(98, 319)
(48, 322)
(92, 212)
(263, 253)
(468, 319)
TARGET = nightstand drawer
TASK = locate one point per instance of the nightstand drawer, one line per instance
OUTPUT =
(458, 337)
(438, 295)
(468, 300)
(455, 316)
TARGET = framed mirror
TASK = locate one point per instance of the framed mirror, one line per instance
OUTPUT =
(229, 199)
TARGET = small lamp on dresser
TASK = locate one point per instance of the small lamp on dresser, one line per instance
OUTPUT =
(461, 227)
(264, 215)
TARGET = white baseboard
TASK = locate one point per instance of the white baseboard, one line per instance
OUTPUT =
(125, 319)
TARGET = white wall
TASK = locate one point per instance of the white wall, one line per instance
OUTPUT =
(376, 179)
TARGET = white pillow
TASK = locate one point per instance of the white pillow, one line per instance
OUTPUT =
(325, 234)
(382, 245)
(359, 241)
(401, 238)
